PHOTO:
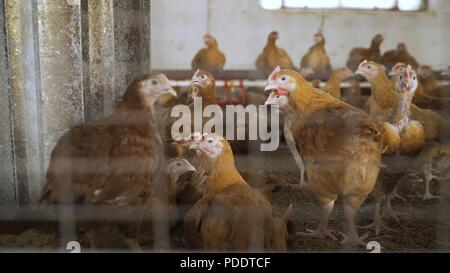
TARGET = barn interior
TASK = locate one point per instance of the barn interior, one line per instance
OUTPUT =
(69, 63)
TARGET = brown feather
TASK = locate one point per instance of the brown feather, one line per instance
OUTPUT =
(273, 56)
(231, 215)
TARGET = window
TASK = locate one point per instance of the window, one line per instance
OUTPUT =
(402, 5)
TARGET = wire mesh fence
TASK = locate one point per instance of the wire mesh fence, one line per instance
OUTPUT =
(66, 63)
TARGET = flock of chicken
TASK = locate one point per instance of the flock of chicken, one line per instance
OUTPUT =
(130, 162)
(316, 61)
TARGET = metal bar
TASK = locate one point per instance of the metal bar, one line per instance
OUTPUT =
(262, 83)
(250, 75)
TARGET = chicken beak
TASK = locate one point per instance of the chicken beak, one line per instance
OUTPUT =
(194, 146)
(407, 88)
(268, 102)
(359, 72)
(271, 86)
(191, 168)
(171, 92)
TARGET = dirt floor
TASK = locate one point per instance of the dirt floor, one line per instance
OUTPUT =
(425, 229)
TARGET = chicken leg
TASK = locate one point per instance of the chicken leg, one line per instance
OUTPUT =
(322, 231)
(428, 177)
(424, 162)
(351, 236)
(298, 160)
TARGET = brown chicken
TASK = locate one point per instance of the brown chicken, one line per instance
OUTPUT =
(382, 103)
(430, 84)
(340, 144)
(290, 134)
(113, 161)
(410, 141)
(164, 209)
(333, 86)
(209, 58)
(231, 216)
(273, 56)
(400, 54)
(203, 85)
(176, 168)
(357, 55)
(317, 60)
(423, 100)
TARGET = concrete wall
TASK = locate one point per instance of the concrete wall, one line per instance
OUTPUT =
(242, 27)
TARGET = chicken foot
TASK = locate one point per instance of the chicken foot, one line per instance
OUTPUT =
(388, 211)
(378, 223)
(322, 231)
(427, 176)
(396, 195)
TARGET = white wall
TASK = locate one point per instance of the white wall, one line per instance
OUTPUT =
(241, 26)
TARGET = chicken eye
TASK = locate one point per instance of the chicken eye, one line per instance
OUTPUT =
(178, 164)
(401, 78)
(414, 78)
(369, 66)
(210, 141)
(283, 79)
(203, 77)
(277, 97)
(154, 82)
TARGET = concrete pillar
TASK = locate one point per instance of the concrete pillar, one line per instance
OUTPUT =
(8, 192)
(61, 70)
(64, 62)
(99, 57)
(25, 100)
(132, 41)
